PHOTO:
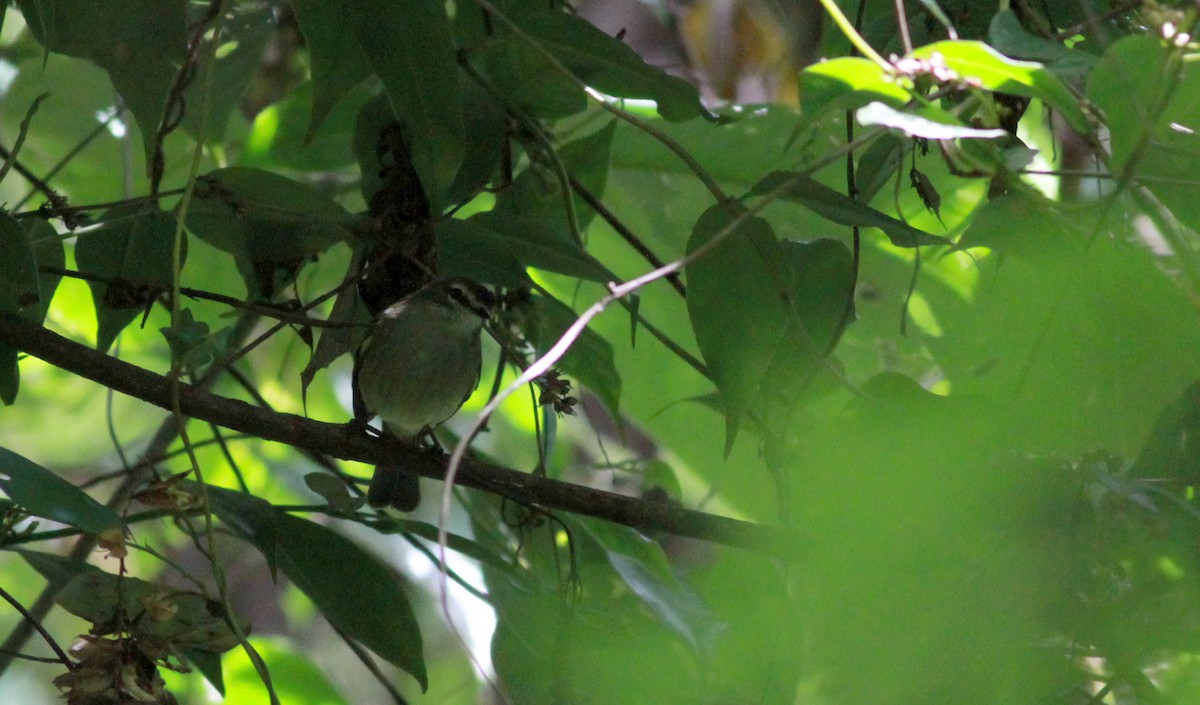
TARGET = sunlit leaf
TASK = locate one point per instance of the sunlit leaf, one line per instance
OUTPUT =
(994, 71)
(933, 124)
(846, 83)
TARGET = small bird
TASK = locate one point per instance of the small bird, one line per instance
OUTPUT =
(420, 364)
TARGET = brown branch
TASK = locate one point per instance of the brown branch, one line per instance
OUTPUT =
(346, 442)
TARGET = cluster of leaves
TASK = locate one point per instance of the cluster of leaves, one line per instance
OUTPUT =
(940, 553)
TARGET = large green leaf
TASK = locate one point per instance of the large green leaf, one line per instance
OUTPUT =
(271, 225)
(44, 494)
(133, 249)
(822, 284)
(411, 48)
(979, 62)
(737, 305)
(337, 58)
(1131, 108)
(361, 597)
(140, 43)
(527, 81)
(1006, 34)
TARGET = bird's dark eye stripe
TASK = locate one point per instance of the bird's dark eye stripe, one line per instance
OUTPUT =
(479, 302)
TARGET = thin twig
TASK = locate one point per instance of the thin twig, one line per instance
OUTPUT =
(62, 655)
(626, 234)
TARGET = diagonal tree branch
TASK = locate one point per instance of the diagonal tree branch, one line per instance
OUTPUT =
(345, 442)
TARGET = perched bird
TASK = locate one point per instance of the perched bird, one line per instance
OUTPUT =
(420, 363)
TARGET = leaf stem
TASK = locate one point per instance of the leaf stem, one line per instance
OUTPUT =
(856, 39)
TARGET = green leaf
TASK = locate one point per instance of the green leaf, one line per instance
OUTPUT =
(338, 61)
(361, 598)
(1153, 123)
(643, 566)
(846, 83)
(844, 210)
(527, 81)
(133, 248)
(823, 277)
(928, 122)
(333, 490)
(140, 43)
(486, 139)
(209, 665)
(1007, 35)
(604, 63)
(466, 249)
(590, 359)
(996, 72)
(737, 306)
(244, 36)
(281, 134)
(411, 48)
(538, 194)
(252, 519)
(271, 225)
(533, 243)
(19, 290)
(296, 679)
(44, 494)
